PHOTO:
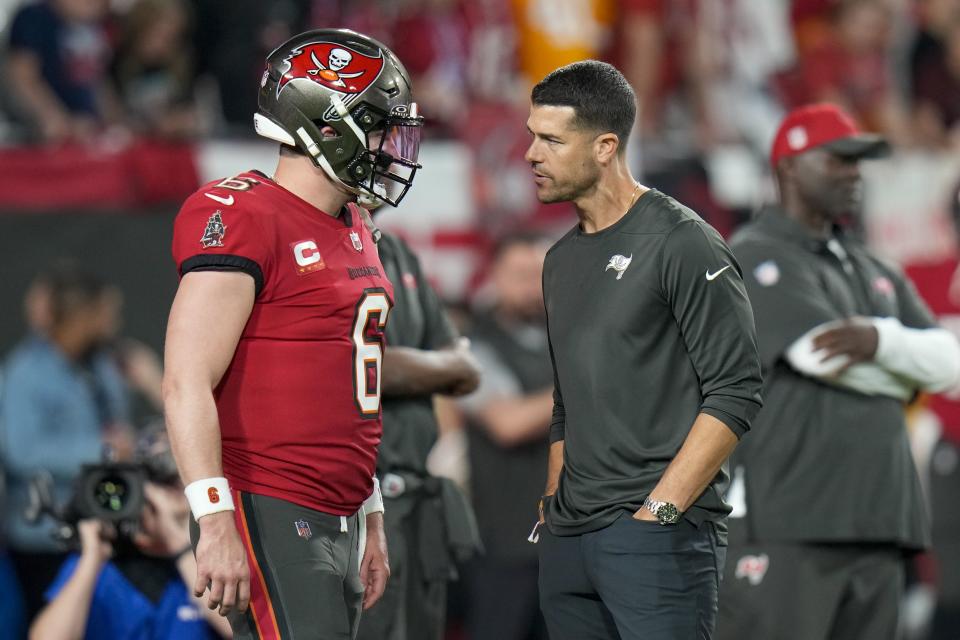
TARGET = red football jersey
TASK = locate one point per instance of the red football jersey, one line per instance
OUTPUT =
(299, 405)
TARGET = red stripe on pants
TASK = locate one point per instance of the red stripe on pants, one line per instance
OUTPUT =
(260, 605)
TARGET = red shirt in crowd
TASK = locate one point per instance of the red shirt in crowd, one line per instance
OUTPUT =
(299, 405)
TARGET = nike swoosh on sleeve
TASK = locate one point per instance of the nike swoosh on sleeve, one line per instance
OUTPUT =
(713, 276)
(227, 201)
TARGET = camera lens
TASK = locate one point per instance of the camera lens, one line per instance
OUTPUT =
(111, 493)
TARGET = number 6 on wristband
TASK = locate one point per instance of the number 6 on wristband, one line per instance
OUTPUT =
(210, 495)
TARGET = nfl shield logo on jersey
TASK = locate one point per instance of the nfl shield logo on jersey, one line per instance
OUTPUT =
(767, 273)
(884, 286)
(303, 529)
(355, 239)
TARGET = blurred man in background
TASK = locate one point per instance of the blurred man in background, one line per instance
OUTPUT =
(64, 403)
(508, 419)
(130, 585)
(58, 60)
(153, 70)
(934, 66)
(424, 356)
(833, 500)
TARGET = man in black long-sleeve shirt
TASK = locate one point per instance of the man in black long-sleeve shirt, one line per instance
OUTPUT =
(657, 376)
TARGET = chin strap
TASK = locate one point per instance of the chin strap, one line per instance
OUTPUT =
(375, 233)
(369, 201)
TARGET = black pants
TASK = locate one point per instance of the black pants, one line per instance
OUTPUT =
(413, 607)
(777, 591)
(504, 600)
(632, 580)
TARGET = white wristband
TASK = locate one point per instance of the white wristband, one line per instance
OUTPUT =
(373, 504)
(210, 495)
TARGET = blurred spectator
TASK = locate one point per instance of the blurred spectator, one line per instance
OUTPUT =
(372, 17)
(492, 53)
(36, 304)
(551, 34)
(464, 49)
(660, 47)
(153, 69)
(126, 588)
(63, 400)
(849, 65)
(811, 20)
(670, 54)
(437, 59)
(743, 44)
(232, 39)
(934, 20)
(508, 419)
(502, 193)
(58, 58)
(935, 74)
(139, 365)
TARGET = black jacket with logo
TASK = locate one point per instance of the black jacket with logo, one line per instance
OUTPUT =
(826, 464)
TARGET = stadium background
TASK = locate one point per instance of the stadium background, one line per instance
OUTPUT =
(713, 77)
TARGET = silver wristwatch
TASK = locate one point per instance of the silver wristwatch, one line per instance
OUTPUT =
(666, 512)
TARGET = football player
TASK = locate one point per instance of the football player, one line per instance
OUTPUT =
(275, 342)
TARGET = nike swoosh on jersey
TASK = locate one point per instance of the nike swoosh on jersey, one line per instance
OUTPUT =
(713, 276)
(227, 201)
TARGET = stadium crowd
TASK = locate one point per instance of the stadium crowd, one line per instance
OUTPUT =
(713, 78)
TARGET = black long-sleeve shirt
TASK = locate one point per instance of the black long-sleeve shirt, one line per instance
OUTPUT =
(649, 326)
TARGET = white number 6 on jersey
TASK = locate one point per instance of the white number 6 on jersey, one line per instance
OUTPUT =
(374, 307)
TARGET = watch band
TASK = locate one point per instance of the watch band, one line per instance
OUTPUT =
(666, 512)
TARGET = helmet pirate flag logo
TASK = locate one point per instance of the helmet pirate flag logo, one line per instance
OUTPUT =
(332, 65)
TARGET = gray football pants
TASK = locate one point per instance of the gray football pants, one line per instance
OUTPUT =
(304, 571)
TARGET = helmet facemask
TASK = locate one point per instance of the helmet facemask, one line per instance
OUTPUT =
(386, 159)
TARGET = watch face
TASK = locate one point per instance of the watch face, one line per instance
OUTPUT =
(668, 514)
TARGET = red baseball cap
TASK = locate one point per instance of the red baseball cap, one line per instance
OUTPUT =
(824, 126)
